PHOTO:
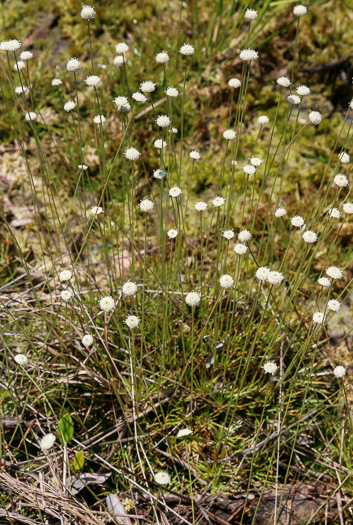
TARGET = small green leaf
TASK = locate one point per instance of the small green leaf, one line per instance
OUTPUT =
(79, 460)
(65, 429)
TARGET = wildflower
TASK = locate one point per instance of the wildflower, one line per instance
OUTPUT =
(192, 299)
(66, 295)
(275, 277)
(297, 221)
(263, 120)
(319, 318)
(146, 205)
(159, 174)
(324, 281)
(270, 367)
(159, 143)
(83, 167)
(249, 169)
(280, 212)
(130, 288)
(73, 65)
(334, 213)
(30, 116)
(195, 155)
(163, 121)
(148, 86)
(200, 206)
(56, 82)
(218, 201)
(96, 210)
(87, 12)
(344, 157)
(175, 191)
(107, 303)
(162, 478)
(70, 105)
(341, 180)
(229, 134)
(21, 89)
(119, 61)
(348, 208)
(262, 273)
(162, 58)
(228, 234)
(120, 102)
(172, 92)
(226, 281)
(93, 80)
(244, 236)
(139, 97)
(234, 83)
(121, 48)
(283, 82)
(65, 275)
(21, 359)
(132, 154)
(187, 50)
(26, 55)
(333, 305)
(240, 249)
(300, 10)
(334, 272)
(293, 99)
(19, 65)
(303, 90)
(309, 236)
(172, 233)
(339, 371)
(248, 55)
(250, 14)
(87, 340)
(99, 119)
(47, 441)
(10, 45)
(184, 432)
(132, 321)
(315, 117)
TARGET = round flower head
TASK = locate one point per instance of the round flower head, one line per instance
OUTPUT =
(26, 55)
(172, 92)
(120, 101)
(192, 299)
(244, 236)
(159, 143)
(340, 180)
(334, 272)
(73, 65)
(187, 50)
(10, 45)
(334, 213)
(139, 97)
(56, 82)
(146, 205)
(319, 318)
(162, 58)
(240, 249)
(132, 154)
(195, 155)
(218, 201)
(255, 161)
(344, 157)
(163, 121)
(280, 212)
(226, 281)
(228, 234)
(175, 191)
(303, 90)
(275, 277)
(96, 210)
(119, 61)
(333, 305)
(324, 281)
(87, 12)
(250, 14)
(339, 371)
(162, 478)
(21, 89)
(263, 119)
(283, 82)
(234, 83)
(121, 48)
(270, 367)
(93, 80)
(99, 119)
(159, 174)
(297, 221)
(249, 169)
(87, 340)
(315, 117)
(348, 208)
(172, 233)
(65, 275)
(184, 432)
(262, 273)
(107, 303)
(200, 206)
(294, 99)
(30, 116)
(19, 65)
(229, 134)
(21, 359)
(69, 106)
(47, 441)
(309, 236)
(129, 288)
(248, 55)
(66, 295)
(147, 86)
(132, 321)
(300, 10)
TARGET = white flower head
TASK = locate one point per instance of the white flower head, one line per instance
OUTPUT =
(275, 277)
(129, 289)
(93, 80)
(96, 210)
(256, 161)
(234, 83)
(218, 201)
(26, 55)
(340, 180)
(162, 58)
(56, 82)
(187, 50)
(159, 174)
(162, 478)
(66, 295)
(226, 281)
(120, 101)
(200, 206)
(244, 236)
(263, 120)
(240, 249)
(172, 92)
(21, 359)
(283, 82)
(324, 281)
(248, 55)
(194, 155)
(229, 134)
(119, 61)
(319, 318)
(159, 143)
(175, 191)
(250, 14)
(334, 213)
(344, 157)
(10, 45)
(315, 117)
(139, 97)
(132, 154)
(121, 48)
(228, 234)
(87, 340)
(148, 86)
(99, 119)
(184, 432)
(309, 236)
(65, 275)
(339, 371)
(348, 208)
(249, 169)
(87, 12)
(73, 65)
(333, 305)
(132, 321)
(334, 272)
(270, 367)
(280, 212)
(300, 10)
(107, 303)
(297, 221)
(163, 121)
(303, 90)
(294, 99)
(21, 89)
(82, 167)
(192, 299)
(262, 273)
(47, 441)
(146, 205)
(69, 106)
(172, 233)
(31, 116)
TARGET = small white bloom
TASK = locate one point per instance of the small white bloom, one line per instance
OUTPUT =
(255, 161)
(146, 205)
(172, 233)
(333, 305)
(175, 191)
(159, 143)
(73, 65)
(350, 105)
(244, 236)
(344, 157)
(195, 155)
(300, 10)
(82, 167)
(65, 275)
(270, 367)
(262, 273)
(218, 201)
(334, 213)
(159, 174)
(234, 83)
(192, 299)
(228, 234)
(187, 50)
(26, 55)
(69, 106)
(240, 249)
(121, 48)
(303, 90)
(21, 359)
(96, 210)
(162, 478)
(132, 154)
(280, 212)
(130, 288)
(339, 372)
(21, 89)
(324, 281)
(119, 61)
(283, 81)
(249, 169)
(87, 12)
(132, 321)
(275, 277)
(248, 55)
(47, 441)
(294, 99)
(147, 86)
(66, 295)
(315, 117)
(297, 221)
(107, 303)
(30, 116)
(263, 120)
(162, 58)
(120, 102)
(309, 236)
(99, 119)
(87, 340)
(93, 80)
(200, 206)
(10, 45)
(19, 65)
(250, 14)
(172, 92)
(139, 97)
(319, 318)
(341, 180)
(56, 82)
(334, 272)
(226, 281)
(348, 208)
(184, 432)
(163, 121)
(229, 134)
